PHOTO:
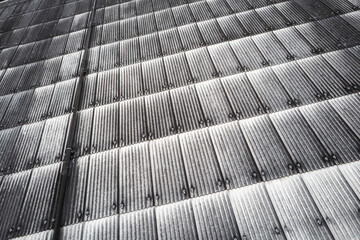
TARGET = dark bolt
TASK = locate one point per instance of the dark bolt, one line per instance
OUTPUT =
(113, 206)
(277, 231)
(184, 191)
(45, 222)
(122, 205)
(18, 229)
(334, 157)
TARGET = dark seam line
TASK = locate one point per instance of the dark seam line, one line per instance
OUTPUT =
(68, 151)
(316, 206)
(273, 210)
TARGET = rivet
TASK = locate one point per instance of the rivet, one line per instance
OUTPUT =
(79, 214)
(18, 229)
(277, 231)
(298, 165)
(11, 230)
(290, 167)
(254, 174)
(334, 157)
(157, 197)
(227, 181)
(326, 158)
(263, 172)
(45, 222)
(192, 189)
(113, 206)
(319, 222)
(122, 205)
(219, 183)
(184, 191)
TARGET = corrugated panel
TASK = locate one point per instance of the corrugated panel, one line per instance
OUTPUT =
(224, 59)
(351, 172)
(30, 76)
(72, 232)
(16, 113)
(235, 160)
(346, 34)
(315, 8)
(176, 221)
(37, 212)
(255, 214)
(170, 41)
(252, 22)
(215, 218)
(146, 23)
(318, 37)
(132, 121)
(294, 43)
(293, 12)
(290, 197)
(138, 225)
(160, 117)
(347, 108)
(238, 5)
(22, 54)
(4, 103)
(154, 76)
(127, 9)
(190, 36)
(164, 19)
(339, 6)
(82, 138)
(8, 139)
(105, 132)
(177, 69)
(64, 25)
(336, 201)
(106, 228)
(61, 102)
(296, 82)
(130, 81)
(201, 164)
(200, 64)
(128, 28)
(135, 178)
(111, 14)
(272, 94)
(273, 51)
(45, 235)
(272, 17)
(15, 37)
(201, 11)
(347, 66)
(10, 79)
(96, 36)
(93, 60)
(211, 32)
(353, 18)
(89, 91)
(355, 51)
(168, 172)
(214, 102)
(13, 190)
(103, 185)
(231, 27)
(329, 82)
(182, 15)
(332, 132)
(242, 96)
(150, 46)
(219, 7)
(107, 87)
(187, 108)
(6, 56)
(52, 141)
(248, 54)
(267, 148)
(75, 41)
(26, 146)
(57, 46)
(79, 22)
(303, 145)
(75, 210)
(129, 52)
(110, 56)
(69, 66)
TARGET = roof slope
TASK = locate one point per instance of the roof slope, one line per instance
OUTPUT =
(166, 119)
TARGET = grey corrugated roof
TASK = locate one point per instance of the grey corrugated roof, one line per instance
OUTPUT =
(197, 119)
